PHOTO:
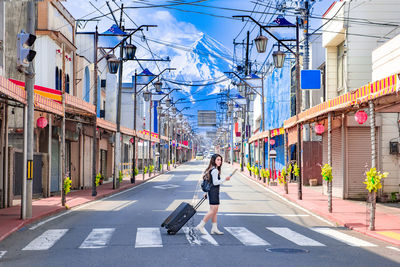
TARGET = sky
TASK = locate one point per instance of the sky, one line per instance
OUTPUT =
(198, 38)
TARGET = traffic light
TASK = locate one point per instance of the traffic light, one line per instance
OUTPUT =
(24, 53)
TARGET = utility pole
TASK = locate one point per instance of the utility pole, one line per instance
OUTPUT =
(117, 151)
(62, 173)
(298, 110)
(247, 71)
(29, 84)
(134, 137)
(94, 156)
(150, 159)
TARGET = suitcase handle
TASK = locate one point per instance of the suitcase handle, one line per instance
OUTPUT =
(200, 202)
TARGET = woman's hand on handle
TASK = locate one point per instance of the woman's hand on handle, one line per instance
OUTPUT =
(228, 178)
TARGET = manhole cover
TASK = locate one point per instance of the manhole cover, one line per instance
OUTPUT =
(287, 250)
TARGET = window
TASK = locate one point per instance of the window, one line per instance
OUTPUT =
(57, 78)
(67, 84)
(340, 67)
(60, 74)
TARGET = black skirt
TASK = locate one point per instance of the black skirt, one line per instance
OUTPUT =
(213, 195)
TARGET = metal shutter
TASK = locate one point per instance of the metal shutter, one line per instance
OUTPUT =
(359, 156)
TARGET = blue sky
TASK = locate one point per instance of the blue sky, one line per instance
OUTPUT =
(192, 41)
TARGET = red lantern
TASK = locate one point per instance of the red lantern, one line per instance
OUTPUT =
(272, 142)
(265, 140)
(256, 143)
(41, 122)
(361, 116)
(131, 140)
(319, 129)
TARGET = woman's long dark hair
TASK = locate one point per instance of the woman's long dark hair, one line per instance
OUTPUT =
(213, 164)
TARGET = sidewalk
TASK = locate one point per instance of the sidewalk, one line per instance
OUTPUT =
(10, 220)
(351, 214)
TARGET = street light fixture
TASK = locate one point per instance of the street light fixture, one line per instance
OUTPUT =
(113, 64)
(130, 51)
(279, 58)
(251, 96)
(168, 102)
(174, 110)
(147, 95)
(158, 85)
(261, 43)
(241, 87)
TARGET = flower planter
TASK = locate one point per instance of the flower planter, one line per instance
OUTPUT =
(273, 183)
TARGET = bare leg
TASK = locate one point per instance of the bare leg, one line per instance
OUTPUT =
(214, 217)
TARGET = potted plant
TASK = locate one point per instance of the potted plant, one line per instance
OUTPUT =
(120, 176)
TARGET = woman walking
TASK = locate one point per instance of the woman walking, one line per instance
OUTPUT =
(213, 171)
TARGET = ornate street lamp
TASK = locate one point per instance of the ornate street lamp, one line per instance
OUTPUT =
(279, 58)
(180, 116)
(239, 113)
(229, 113)
(168, 102)
(159, 109)
(113, 64)
(251, 96)
(147, 95)
(158, 85)
(130, 51)
(261, 43)
(241, 87)
(230, 106)
(174, 110)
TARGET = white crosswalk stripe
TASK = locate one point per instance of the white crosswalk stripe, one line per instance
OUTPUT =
(2, 253)
(46, 240)
(246, 237)
(195, 239)
(295, 237)
(350, 240)
(98, 238)
(148, 238)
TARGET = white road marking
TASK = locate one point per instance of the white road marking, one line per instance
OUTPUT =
(194, 238)
(124, 205)
(191, 236)
(2, 253)
(257, 214)
(295, 237)
(350, 240)
(46, 240)
(246, 237)
(166, 186)
(92, 203)
(288, 201)
(148, 238)
(394, 248)
(98, 238)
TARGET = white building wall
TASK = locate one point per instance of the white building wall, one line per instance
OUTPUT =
(389, 163)
(386, 59)
(46, 61)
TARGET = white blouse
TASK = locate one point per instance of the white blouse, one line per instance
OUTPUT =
(214, 175)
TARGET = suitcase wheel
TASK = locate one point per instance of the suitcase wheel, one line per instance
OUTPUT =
(171, 232)
(162, 225)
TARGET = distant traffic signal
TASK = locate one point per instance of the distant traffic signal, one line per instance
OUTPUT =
(24, 52)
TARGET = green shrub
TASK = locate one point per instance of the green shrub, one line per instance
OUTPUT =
(136, 171)
(145, 170)
(120, 176)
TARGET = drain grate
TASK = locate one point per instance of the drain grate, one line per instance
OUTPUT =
(287, 250)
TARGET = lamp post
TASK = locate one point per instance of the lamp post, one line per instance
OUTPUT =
(134, 117)
(278, 61)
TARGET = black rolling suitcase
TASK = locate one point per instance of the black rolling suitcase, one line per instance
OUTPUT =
(180, 216)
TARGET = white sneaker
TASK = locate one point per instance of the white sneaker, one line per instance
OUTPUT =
(200, 228)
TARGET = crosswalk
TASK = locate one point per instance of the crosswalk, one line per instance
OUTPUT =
(155, 237)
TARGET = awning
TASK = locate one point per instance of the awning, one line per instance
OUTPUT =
(264, 134)
(384, 87)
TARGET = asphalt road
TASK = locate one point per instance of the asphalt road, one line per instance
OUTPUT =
(261, 229)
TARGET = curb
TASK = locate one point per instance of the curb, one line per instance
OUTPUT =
(23, 223)
(325, 216)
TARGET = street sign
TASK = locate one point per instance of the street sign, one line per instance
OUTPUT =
(272, 154)
(310, 79)
(206, 118)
